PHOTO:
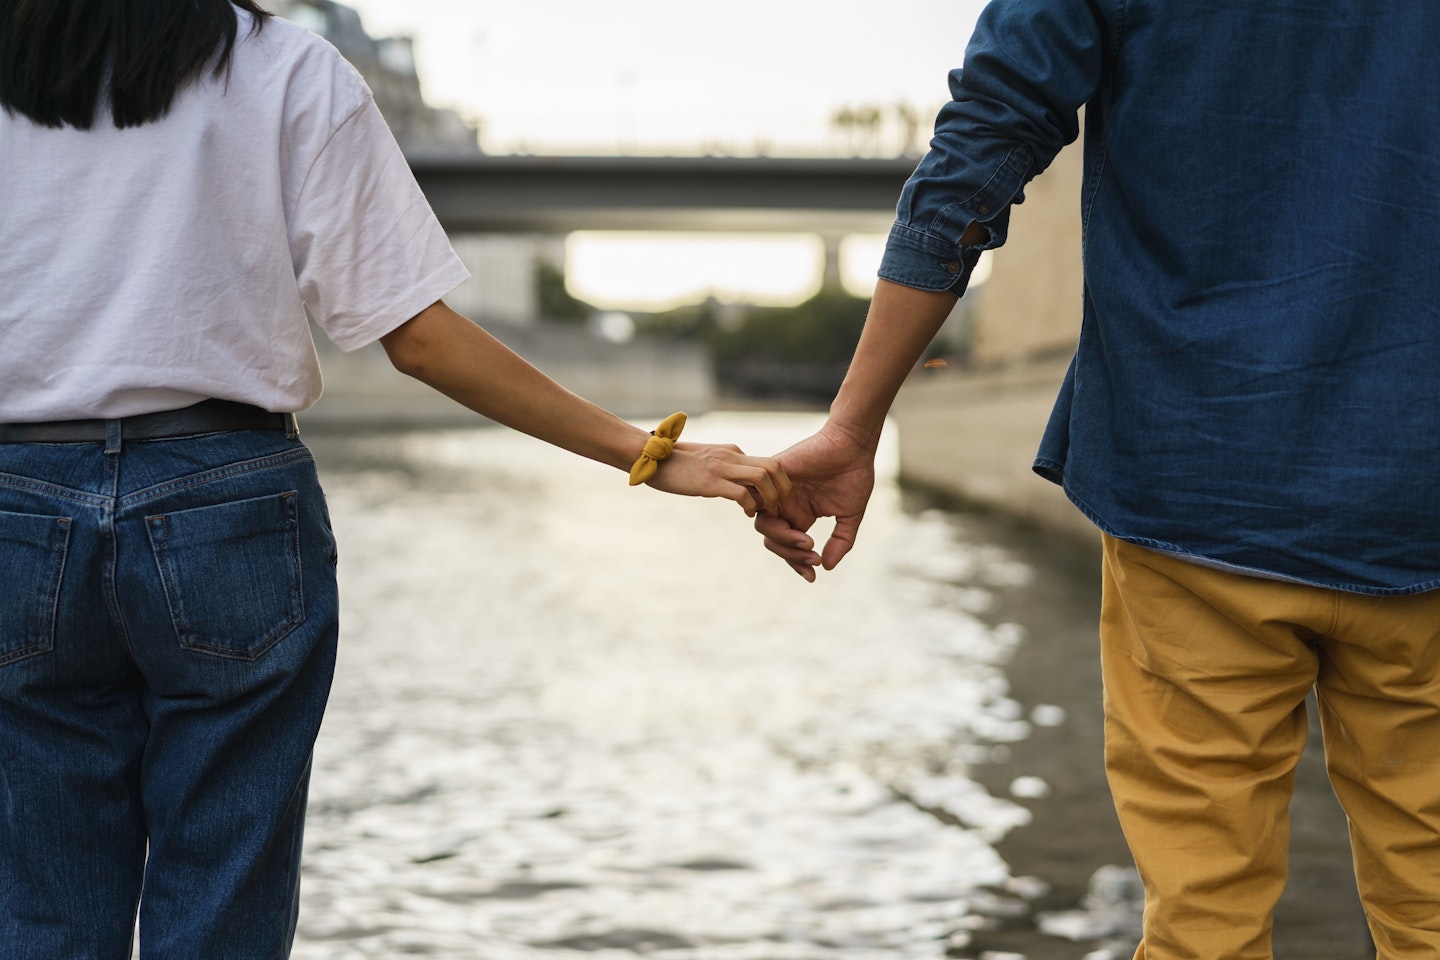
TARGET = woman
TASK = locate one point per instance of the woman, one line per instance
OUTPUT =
(175, 181)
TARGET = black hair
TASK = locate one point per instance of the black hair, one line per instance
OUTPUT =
(61, 59)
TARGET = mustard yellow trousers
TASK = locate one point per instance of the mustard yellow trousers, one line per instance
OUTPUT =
(1206, 674)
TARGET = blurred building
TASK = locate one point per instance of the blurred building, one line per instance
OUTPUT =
(388, 66)
(502, 268)
(503, 294)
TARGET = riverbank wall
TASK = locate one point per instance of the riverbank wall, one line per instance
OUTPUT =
(639, 379)
(971, 437)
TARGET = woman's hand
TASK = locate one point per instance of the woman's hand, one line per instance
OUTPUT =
(723, 470)
(441, 348)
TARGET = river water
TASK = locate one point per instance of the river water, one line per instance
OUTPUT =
(578, 720)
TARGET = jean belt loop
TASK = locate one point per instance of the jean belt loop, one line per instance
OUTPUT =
(112, 436)
(292, 426)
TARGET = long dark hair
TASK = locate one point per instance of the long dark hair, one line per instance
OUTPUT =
(60, 59)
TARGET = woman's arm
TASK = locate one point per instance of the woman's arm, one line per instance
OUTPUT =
(448, 352)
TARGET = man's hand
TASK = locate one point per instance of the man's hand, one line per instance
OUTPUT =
(833, 472)
(832, 475)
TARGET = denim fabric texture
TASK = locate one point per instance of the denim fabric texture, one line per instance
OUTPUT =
(167, 642)
(1257, 382)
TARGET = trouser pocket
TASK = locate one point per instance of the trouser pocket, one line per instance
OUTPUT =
(231, 573)
(32, 564)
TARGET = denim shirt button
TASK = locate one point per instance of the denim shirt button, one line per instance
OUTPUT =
(952, 267)
(983, 209)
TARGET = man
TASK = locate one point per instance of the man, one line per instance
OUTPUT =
(1252, 417)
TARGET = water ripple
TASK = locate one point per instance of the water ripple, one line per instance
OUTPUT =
(578, 720)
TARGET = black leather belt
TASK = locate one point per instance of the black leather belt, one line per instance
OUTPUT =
(207, 416)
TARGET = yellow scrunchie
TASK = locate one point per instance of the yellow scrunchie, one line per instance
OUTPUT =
(659, 447)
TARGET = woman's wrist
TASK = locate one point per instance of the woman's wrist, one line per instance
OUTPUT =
(659, 445)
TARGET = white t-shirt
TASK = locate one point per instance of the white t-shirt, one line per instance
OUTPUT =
(148, 268)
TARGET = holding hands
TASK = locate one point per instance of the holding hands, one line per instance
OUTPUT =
(723, 470)
(831, 474)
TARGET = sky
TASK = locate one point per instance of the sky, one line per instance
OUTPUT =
(660, 76)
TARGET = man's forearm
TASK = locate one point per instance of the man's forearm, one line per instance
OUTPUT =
(901, 323)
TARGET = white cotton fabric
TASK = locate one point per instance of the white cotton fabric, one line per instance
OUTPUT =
(148, 268)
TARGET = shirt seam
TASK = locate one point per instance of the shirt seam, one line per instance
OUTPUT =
(305, 182)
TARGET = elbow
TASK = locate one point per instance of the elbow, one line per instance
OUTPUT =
(410, 363)
(406, 361)
(433, 346)
(406, 347)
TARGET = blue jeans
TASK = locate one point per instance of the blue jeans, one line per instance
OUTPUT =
(167, 642)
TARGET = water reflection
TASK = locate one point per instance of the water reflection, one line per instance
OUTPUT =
(575, 719)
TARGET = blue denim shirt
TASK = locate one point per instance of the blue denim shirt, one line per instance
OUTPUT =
(1257, 382)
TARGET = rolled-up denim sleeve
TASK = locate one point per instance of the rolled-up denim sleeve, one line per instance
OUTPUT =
(1029, 67)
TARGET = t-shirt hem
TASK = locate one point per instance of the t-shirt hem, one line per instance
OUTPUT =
(436, 286)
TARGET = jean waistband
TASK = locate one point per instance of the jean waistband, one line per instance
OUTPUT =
(207, 416)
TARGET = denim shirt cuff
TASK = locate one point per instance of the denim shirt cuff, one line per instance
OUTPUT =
(927, 262)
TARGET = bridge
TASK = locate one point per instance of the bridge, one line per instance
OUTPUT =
(552, 194)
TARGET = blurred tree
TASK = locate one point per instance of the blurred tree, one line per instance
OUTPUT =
(909, 118)
(696, 321)
(801, 351)
(555, 302)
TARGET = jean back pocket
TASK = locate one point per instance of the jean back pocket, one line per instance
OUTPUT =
(32, 564)
(231, 573)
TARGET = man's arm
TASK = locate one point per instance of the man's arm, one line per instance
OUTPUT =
(833, 472)
(899, 326)
(1029, 67)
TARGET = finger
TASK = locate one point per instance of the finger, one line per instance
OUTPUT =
(776, 472)
(793, 546)
(760, 476)
(795, 511)
(695, 447)
(842, 538)
(795, 556)
(742, 495)
(783, 531)
(803, 564)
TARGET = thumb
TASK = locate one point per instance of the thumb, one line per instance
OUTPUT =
(841, 539)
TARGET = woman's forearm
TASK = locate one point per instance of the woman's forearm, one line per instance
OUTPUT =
(448, 352)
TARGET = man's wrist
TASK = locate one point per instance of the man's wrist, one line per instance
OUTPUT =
(848, 431)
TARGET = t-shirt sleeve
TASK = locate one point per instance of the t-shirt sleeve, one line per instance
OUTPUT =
(368, 251)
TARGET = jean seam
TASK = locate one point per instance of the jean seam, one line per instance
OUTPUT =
(229, 471)
(51, 490)
(110, 562)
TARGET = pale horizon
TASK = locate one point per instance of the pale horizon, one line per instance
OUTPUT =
(652, 76)
(652, 73)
